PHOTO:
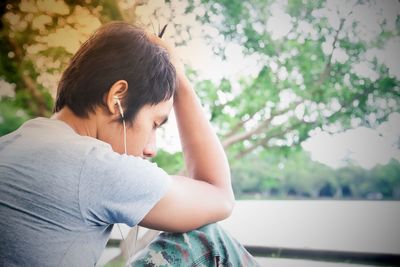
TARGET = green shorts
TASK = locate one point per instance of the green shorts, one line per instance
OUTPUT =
(207, 246)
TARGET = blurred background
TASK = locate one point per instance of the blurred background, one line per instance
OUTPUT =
(303, 94)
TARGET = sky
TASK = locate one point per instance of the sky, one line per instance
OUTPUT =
(366, 147)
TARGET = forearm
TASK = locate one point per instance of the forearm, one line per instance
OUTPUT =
(204, 156)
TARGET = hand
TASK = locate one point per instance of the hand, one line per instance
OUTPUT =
(174, 58)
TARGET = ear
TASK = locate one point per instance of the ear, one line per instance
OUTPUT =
(118, 89)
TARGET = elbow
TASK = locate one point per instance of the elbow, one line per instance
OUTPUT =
(229, 205)
(229, 209)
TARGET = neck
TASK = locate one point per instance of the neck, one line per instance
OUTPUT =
(82, 126)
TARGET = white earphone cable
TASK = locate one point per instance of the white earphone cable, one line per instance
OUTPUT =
(130, 252)
(123, 122)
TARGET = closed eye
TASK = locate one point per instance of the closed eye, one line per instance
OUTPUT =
(155, 125)
(164, 120)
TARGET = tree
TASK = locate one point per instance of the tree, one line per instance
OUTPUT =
(320, 69)
(37, 40)
(308, 71)
(269, 175)
(313, 75)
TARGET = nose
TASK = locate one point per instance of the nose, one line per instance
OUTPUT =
(150, 150)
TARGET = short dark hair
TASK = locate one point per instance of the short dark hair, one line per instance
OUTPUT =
(116, 51)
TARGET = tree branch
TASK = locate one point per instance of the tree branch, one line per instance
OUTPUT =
(261, 126)
(239, 125)
(264, 141)
(325, 73)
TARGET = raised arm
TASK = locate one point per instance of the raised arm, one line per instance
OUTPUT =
(207, 195)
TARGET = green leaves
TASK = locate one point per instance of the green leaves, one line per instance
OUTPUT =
(322, 71)
(11, 116)
(272, 174)
(319, 61)
(171, 163)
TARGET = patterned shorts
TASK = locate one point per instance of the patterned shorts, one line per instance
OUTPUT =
(207, 246)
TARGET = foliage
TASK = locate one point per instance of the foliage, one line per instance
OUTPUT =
(266, 176)
(37, 41)
(11, 116)
(323, 69)
(171, 163)
(308, 78)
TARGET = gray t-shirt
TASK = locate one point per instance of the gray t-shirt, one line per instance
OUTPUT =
(61, 193)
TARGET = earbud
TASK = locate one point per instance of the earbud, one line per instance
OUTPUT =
(116, 99)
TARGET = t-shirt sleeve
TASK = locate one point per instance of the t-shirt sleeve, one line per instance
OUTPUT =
(118, 188)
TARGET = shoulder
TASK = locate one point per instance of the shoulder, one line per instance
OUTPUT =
(102, 159)
(48, 144)
(116, 188)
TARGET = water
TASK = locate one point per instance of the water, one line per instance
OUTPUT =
(356, 226)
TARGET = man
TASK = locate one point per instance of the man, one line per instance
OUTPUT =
(66, 180)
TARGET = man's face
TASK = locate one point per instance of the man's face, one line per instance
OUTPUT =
(141, 137)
